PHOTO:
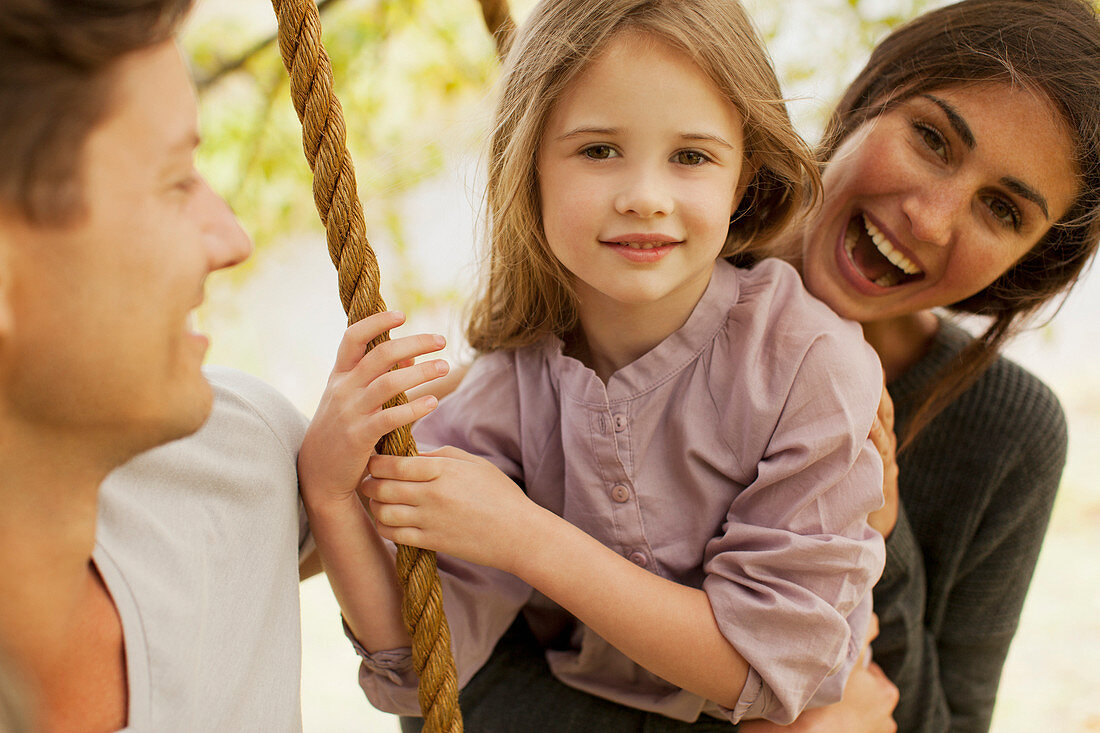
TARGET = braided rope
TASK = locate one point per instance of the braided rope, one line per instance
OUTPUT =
(334, 193)
(498, 19)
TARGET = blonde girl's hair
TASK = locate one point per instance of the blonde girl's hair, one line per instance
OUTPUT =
(526, 292)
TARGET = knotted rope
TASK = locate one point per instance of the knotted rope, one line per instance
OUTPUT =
(334, 193)
(498, 19)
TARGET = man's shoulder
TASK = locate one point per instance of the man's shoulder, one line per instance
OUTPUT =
(241, 398)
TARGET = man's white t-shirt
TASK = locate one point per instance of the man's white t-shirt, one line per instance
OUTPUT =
(198, 542)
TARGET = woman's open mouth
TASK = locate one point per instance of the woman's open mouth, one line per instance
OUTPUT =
(875, 257)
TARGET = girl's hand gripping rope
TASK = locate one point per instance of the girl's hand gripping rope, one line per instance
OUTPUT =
(351, 417)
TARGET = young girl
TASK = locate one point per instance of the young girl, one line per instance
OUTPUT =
(661, 461)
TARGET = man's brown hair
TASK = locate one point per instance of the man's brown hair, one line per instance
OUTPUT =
(55, 87)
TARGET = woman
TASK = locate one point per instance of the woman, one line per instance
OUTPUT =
(963, 171)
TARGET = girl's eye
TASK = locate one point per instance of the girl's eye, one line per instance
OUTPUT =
(599, 152)
(1004, 211)
(932, 139)
(690, 157)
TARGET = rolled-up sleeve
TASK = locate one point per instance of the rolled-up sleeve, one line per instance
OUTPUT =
(790, 576)
(482, 417)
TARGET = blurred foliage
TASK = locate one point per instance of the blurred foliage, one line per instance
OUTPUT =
(408, 73)
(414, 78)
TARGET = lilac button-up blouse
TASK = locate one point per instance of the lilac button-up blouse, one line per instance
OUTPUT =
(732, 457)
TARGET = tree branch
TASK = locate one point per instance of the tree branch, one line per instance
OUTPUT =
(205, 80)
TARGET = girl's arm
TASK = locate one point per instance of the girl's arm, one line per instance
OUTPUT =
(349, 421)
(665, 627)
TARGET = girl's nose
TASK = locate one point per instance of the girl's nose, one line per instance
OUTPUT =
(644, 193)
(226, 242)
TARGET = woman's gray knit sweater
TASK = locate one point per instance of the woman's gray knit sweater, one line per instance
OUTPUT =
(976, 491)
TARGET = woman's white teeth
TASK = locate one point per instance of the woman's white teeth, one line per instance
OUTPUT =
(641, 245)
(888, 280)
(897, 259)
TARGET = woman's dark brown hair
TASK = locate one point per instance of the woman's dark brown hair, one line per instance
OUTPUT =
(1049, 46)
(56, 58)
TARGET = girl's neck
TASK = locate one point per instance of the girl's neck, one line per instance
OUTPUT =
(902, 341)
(614, 334)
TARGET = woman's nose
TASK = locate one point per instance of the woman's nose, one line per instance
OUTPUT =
(933, 211)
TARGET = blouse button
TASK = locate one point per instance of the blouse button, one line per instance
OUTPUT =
(637, 558)
(620, 493)
(620, 423)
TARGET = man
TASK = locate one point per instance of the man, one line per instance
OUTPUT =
(165, 596)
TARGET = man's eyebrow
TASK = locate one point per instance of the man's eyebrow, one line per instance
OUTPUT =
(1019, 187)
(961, 128)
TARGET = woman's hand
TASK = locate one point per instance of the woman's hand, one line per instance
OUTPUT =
(452, 502)
(351, 417)
(882, 435)
(867, 706)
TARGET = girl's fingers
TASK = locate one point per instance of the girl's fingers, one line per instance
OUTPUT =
(393, 515)
(403, 468)
(390, 384)
(387, 355)
(411, 536)
(390, 419)
(354, 342)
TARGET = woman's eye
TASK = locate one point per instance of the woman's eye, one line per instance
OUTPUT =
(599, 152)
(690, 157)
(932, 139)
(1005, 212)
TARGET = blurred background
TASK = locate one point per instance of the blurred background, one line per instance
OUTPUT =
(415, 79)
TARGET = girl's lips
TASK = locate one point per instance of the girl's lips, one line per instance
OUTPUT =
(651, 252)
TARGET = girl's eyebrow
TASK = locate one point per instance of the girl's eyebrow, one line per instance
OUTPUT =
(577, 131)
(610, 131)
(707, 137)
(962, 129)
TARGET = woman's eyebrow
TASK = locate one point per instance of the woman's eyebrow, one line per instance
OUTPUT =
(967, 136)
(1019, 187)
(961, 128)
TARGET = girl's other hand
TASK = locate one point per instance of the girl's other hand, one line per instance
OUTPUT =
(453, 502)
(882, 435)
(351, 417)
(866, 707)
